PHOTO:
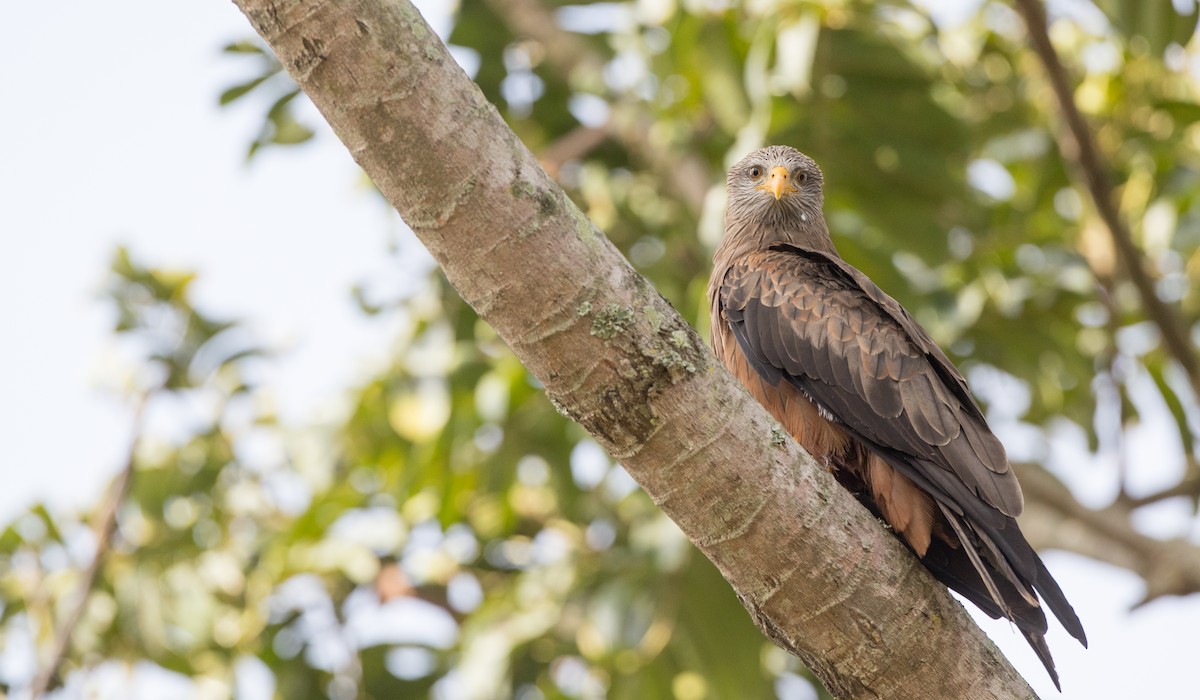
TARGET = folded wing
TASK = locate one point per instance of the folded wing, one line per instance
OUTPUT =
(811, 320)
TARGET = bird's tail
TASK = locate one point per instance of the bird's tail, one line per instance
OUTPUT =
(999, 591)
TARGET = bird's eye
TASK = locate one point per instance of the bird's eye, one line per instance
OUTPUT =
(756, 172)
(802, 176)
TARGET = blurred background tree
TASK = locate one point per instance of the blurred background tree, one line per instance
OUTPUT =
(455, 537)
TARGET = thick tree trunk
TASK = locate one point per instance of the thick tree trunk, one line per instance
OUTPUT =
(818, 574)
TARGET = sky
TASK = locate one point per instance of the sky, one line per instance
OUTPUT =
(111, 135)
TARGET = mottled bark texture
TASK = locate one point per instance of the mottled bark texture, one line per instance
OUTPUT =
(819, 576)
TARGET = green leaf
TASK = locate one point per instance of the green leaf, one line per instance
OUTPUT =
(1155, 21)
(280, 106)
(1184, 111)
(43, 514)
(289, 132)
(238, 91)
(1174, 404)
(243, 47)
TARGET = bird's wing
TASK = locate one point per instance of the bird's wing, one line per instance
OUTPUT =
(853, 350)
(810, 319)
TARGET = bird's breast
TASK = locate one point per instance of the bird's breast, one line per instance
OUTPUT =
(800, 417)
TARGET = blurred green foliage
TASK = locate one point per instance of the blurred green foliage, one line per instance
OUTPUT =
(280, 126)
(454, 535)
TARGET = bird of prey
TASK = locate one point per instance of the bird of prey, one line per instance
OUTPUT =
(865, 390)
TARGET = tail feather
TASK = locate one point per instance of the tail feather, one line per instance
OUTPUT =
(985, 558)
(999, 591)
(982, 572)
(952, 568)
(1000, 540)
(1038, 642)
(1048, 588)
(1030, 570)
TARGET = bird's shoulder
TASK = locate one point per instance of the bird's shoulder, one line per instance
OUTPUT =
(779, 276)
(809, 313)
(814, 289)
(785, 275)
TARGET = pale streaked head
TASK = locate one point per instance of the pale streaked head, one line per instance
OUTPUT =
(776, 185)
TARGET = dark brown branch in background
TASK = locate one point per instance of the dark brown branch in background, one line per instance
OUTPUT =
(573, 145)
(1078, 146)
(105, 527)
(1054, 519)
(1189, 487)
(686, 175)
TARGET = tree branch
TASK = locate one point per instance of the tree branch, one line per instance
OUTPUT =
(1053, 519)
(1189, 487)
(846, 598)
(105, 527)
(1078, 146)
(574, 144)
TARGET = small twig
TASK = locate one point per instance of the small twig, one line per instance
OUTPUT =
(564, 51)
(686, 175)
(105, 528)
(1078, 146)
(1188, 487)
(573, 145)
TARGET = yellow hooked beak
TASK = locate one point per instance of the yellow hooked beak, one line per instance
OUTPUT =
(777, 183)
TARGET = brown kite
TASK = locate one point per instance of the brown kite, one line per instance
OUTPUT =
(853, 378)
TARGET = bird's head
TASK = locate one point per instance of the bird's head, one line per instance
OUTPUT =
(776, 185)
